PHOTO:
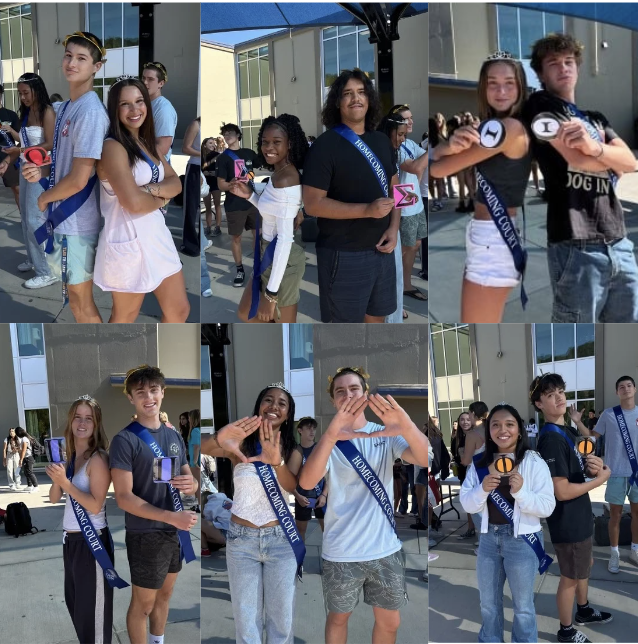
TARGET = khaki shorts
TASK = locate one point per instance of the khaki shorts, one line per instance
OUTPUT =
(240, 220)
(382, 580)
(288, 293)
(574, 559)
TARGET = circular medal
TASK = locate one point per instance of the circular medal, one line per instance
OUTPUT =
(35, 155)
(492, 133)
(545, 126)
(504, 465)
(586, 446)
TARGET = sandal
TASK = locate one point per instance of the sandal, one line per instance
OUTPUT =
(416, 294)
(468, 534)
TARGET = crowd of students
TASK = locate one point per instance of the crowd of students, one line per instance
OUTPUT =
(366, 245)
(592, 268)
(506, 503)
(346, 479)
(123, 153)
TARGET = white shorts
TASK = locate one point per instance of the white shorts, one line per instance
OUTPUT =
(489, 261)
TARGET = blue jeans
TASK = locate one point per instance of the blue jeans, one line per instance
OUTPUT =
(32, 219)
(205, 282)
(397, 316)
(501, 556)
(593, 281)
(261, 570)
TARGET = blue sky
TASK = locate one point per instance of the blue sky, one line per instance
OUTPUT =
(236, 37)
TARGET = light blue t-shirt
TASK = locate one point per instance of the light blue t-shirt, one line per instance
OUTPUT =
(195, 439)
(165, 118)
(407, 177)
(615, 453)
(355, 528)
(83, 126)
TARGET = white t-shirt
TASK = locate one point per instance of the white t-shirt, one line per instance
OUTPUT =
(355, 527)
(532, 429)
(28, 443)
(165, 118)
(11, 452)
(615, 452)
(415, 151)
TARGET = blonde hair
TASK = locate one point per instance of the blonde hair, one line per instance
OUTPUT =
(486, 111)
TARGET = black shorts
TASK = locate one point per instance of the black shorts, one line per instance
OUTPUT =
(151, 556)
(574, 559)
(212, 183)
(11, 178)
(305, 514)
(353, 284)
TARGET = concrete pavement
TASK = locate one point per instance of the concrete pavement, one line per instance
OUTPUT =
(455, 607)
(447, 256)
(217, 617)
(32, 574)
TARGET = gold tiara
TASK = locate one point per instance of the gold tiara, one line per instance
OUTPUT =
(130, 372)
(358, 370)
(91, 39)
(160, 67)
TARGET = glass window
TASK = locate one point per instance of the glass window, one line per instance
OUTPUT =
(243, 80)
(518, 29)
(508, 29)
(543, 343)
(27, 36)
(348, 29)
(4, 13)
(464, 350)
(131, 26)
(16, 37)
(243, 56)
(263, 52)
(346, 48)
(554, 23)
(253, 78)
(38, 425)
(30, 340)
(264, 74)
(330, 32)
(347, 52)
(330, 71)
(5, 43)
(14, 11)
(95, 18)
(587, 393)
(26, 9)
(585, 340)
(451, 355)
(564, 348)
(366, 54)
(253, 53)
(439, 355)
(531, 30)
(112, 25)
(301, 346)
(205, 368)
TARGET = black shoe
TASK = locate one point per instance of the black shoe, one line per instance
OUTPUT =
(593, 618)
(419, 526)
(470, 206)
(424, 276)
(468, 534)
(207, 230)
(217, 231)
(239, 279)
(460, 208)
(575, 636)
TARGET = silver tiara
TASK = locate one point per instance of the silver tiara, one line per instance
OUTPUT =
(85, 397)
(500, 55)
(279, 385)
(22, 79)
(124, 77)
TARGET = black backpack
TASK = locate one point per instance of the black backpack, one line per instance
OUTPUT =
(36, 447)
(18, 520)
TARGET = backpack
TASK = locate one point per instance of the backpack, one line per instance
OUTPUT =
(18, 520)
(36, 447)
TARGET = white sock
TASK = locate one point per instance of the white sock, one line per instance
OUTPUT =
(155, 639)
(634, 546)
(615, 549)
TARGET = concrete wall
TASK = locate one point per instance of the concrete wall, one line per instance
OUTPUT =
(179, 350)
(8, 403)
(218, 88)
(396, 355)
(450, 100)
(618, 353)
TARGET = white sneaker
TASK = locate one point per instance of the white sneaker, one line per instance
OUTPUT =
(207, 293)
(29, 488)
(209, 243)
(34, 489)
(25, 266)
(633, 557)
(13, 487)
(41, 281)
(614, 562)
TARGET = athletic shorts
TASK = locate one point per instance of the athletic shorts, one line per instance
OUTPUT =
(80, 257)
(11, 178)
(152, 556)
(574, 559)
(618, 489)
(305, 514)
(240, 220)
(413, 228)
(382, 580)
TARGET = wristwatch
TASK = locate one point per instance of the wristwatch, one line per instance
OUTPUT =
(283, 462)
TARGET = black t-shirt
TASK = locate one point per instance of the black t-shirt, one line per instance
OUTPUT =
(130, 453)
(580, 205)
(571, 521)
(212, 168)
(336, 166)
(226, 171)
(305, 453)
(8, 116)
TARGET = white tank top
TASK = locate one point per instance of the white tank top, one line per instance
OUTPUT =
(81, 482)
(35, 134)
(250, 501)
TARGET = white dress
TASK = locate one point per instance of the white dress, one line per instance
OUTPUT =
(135, 253)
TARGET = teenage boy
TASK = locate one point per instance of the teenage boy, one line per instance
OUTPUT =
(153, 543)
(154, 76)
(240, 213)
(348, 180)
(307, 501)
(80, 128)
(592, 267)
(360, 546)
(570, 525)
(620, 426)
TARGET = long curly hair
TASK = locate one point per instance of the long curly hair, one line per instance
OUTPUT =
(287, 429)
(40, 96)
(297, 139)
(331, 114)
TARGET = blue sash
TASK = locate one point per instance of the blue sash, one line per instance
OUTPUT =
(154, 172)
(186, 547)
(369, 477)
(550, 427)
(280, 508)
(626, 439)
(368, 155)
(505, 226)
(319, 487)
(405, 147)
(507, 510)
(92, 538)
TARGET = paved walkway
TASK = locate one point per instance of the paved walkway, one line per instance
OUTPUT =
(32, 574)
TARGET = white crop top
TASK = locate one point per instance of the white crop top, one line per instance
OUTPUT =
(278, 208)
(81, 482)
(250, 501)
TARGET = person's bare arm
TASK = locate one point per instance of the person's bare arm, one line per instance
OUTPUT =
(48, 124)
(23, 451)
(163, 144)
(189, 138)
(170, 186)
(317, 204)
(415, 166)
(470, 448)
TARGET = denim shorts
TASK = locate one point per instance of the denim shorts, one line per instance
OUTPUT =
(618, 489)
(80, 257)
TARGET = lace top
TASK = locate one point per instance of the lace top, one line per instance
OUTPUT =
(250, 501)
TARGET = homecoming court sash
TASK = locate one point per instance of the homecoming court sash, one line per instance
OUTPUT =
(533, 540)
(629, 448)
(186, 547)
(319, 487)
(92, 538)
(550, 427)
(505, 226)
(281, 510)
(154, 172)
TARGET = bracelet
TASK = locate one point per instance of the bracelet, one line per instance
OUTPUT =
(272, 300)
(602, 151)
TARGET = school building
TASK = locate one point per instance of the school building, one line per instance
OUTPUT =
(48, 366)
(31, 37)
(497, 362)
(291, 71)
(462, 35)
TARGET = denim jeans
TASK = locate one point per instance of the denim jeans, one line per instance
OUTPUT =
(593, 281)
(501, 556)
(32, 219)
(261, 571)
(205, 282)
(397, 316)
(13, 465)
